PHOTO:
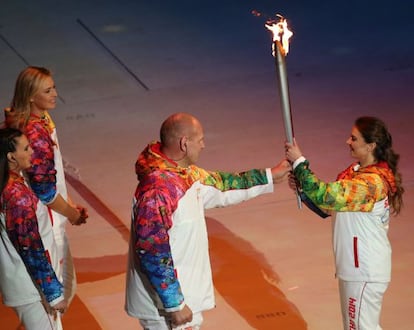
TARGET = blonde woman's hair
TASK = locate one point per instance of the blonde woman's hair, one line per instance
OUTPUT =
(27, 85)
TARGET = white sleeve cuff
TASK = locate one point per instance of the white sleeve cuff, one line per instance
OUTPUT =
(301, 159)
(56, 301)
(269, 176)
(53, 199)
(175, 309)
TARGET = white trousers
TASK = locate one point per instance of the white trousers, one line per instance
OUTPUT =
(361, 304)
(66, 269)
(163, 324)
(34, 317)
(68, 272)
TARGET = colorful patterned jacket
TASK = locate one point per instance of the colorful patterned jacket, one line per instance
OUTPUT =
(19, 207)
(42, 174)
(356, 189)
(359, 200)
(169, 263)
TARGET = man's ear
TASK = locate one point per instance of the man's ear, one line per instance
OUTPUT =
(183, 144)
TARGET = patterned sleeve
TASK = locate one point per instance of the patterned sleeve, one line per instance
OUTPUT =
(42, 174)
(22, 228)
(220, 189)
(224, 181)
(357, 194)
(153, 219)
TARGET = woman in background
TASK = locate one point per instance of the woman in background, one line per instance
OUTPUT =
(360, 200)
(28, 282)
(34, 96)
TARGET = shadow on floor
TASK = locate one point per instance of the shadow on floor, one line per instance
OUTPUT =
(248, 283)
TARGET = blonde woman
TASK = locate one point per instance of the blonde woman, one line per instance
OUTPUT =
(34, 96)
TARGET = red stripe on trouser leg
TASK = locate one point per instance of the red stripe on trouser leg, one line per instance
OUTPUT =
(356, 252)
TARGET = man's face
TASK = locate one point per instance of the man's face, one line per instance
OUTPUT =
(195, 143)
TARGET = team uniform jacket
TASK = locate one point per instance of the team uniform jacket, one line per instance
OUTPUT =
(25, 266)
(169, 264)
(359, 200)
(46, 178)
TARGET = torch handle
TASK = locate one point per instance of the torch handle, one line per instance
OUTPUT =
(284, 97)
(284, 91)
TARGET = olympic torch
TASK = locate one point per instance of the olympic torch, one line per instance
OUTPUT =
(280, 48)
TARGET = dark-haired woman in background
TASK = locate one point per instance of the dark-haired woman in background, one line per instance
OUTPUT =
(28, 282)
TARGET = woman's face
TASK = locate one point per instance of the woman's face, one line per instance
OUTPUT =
(359, 148)
(45, 98)
(20, 158)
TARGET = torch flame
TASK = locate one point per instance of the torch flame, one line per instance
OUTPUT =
(280, 32)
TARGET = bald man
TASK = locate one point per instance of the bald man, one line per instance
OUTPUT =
(169, 280)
